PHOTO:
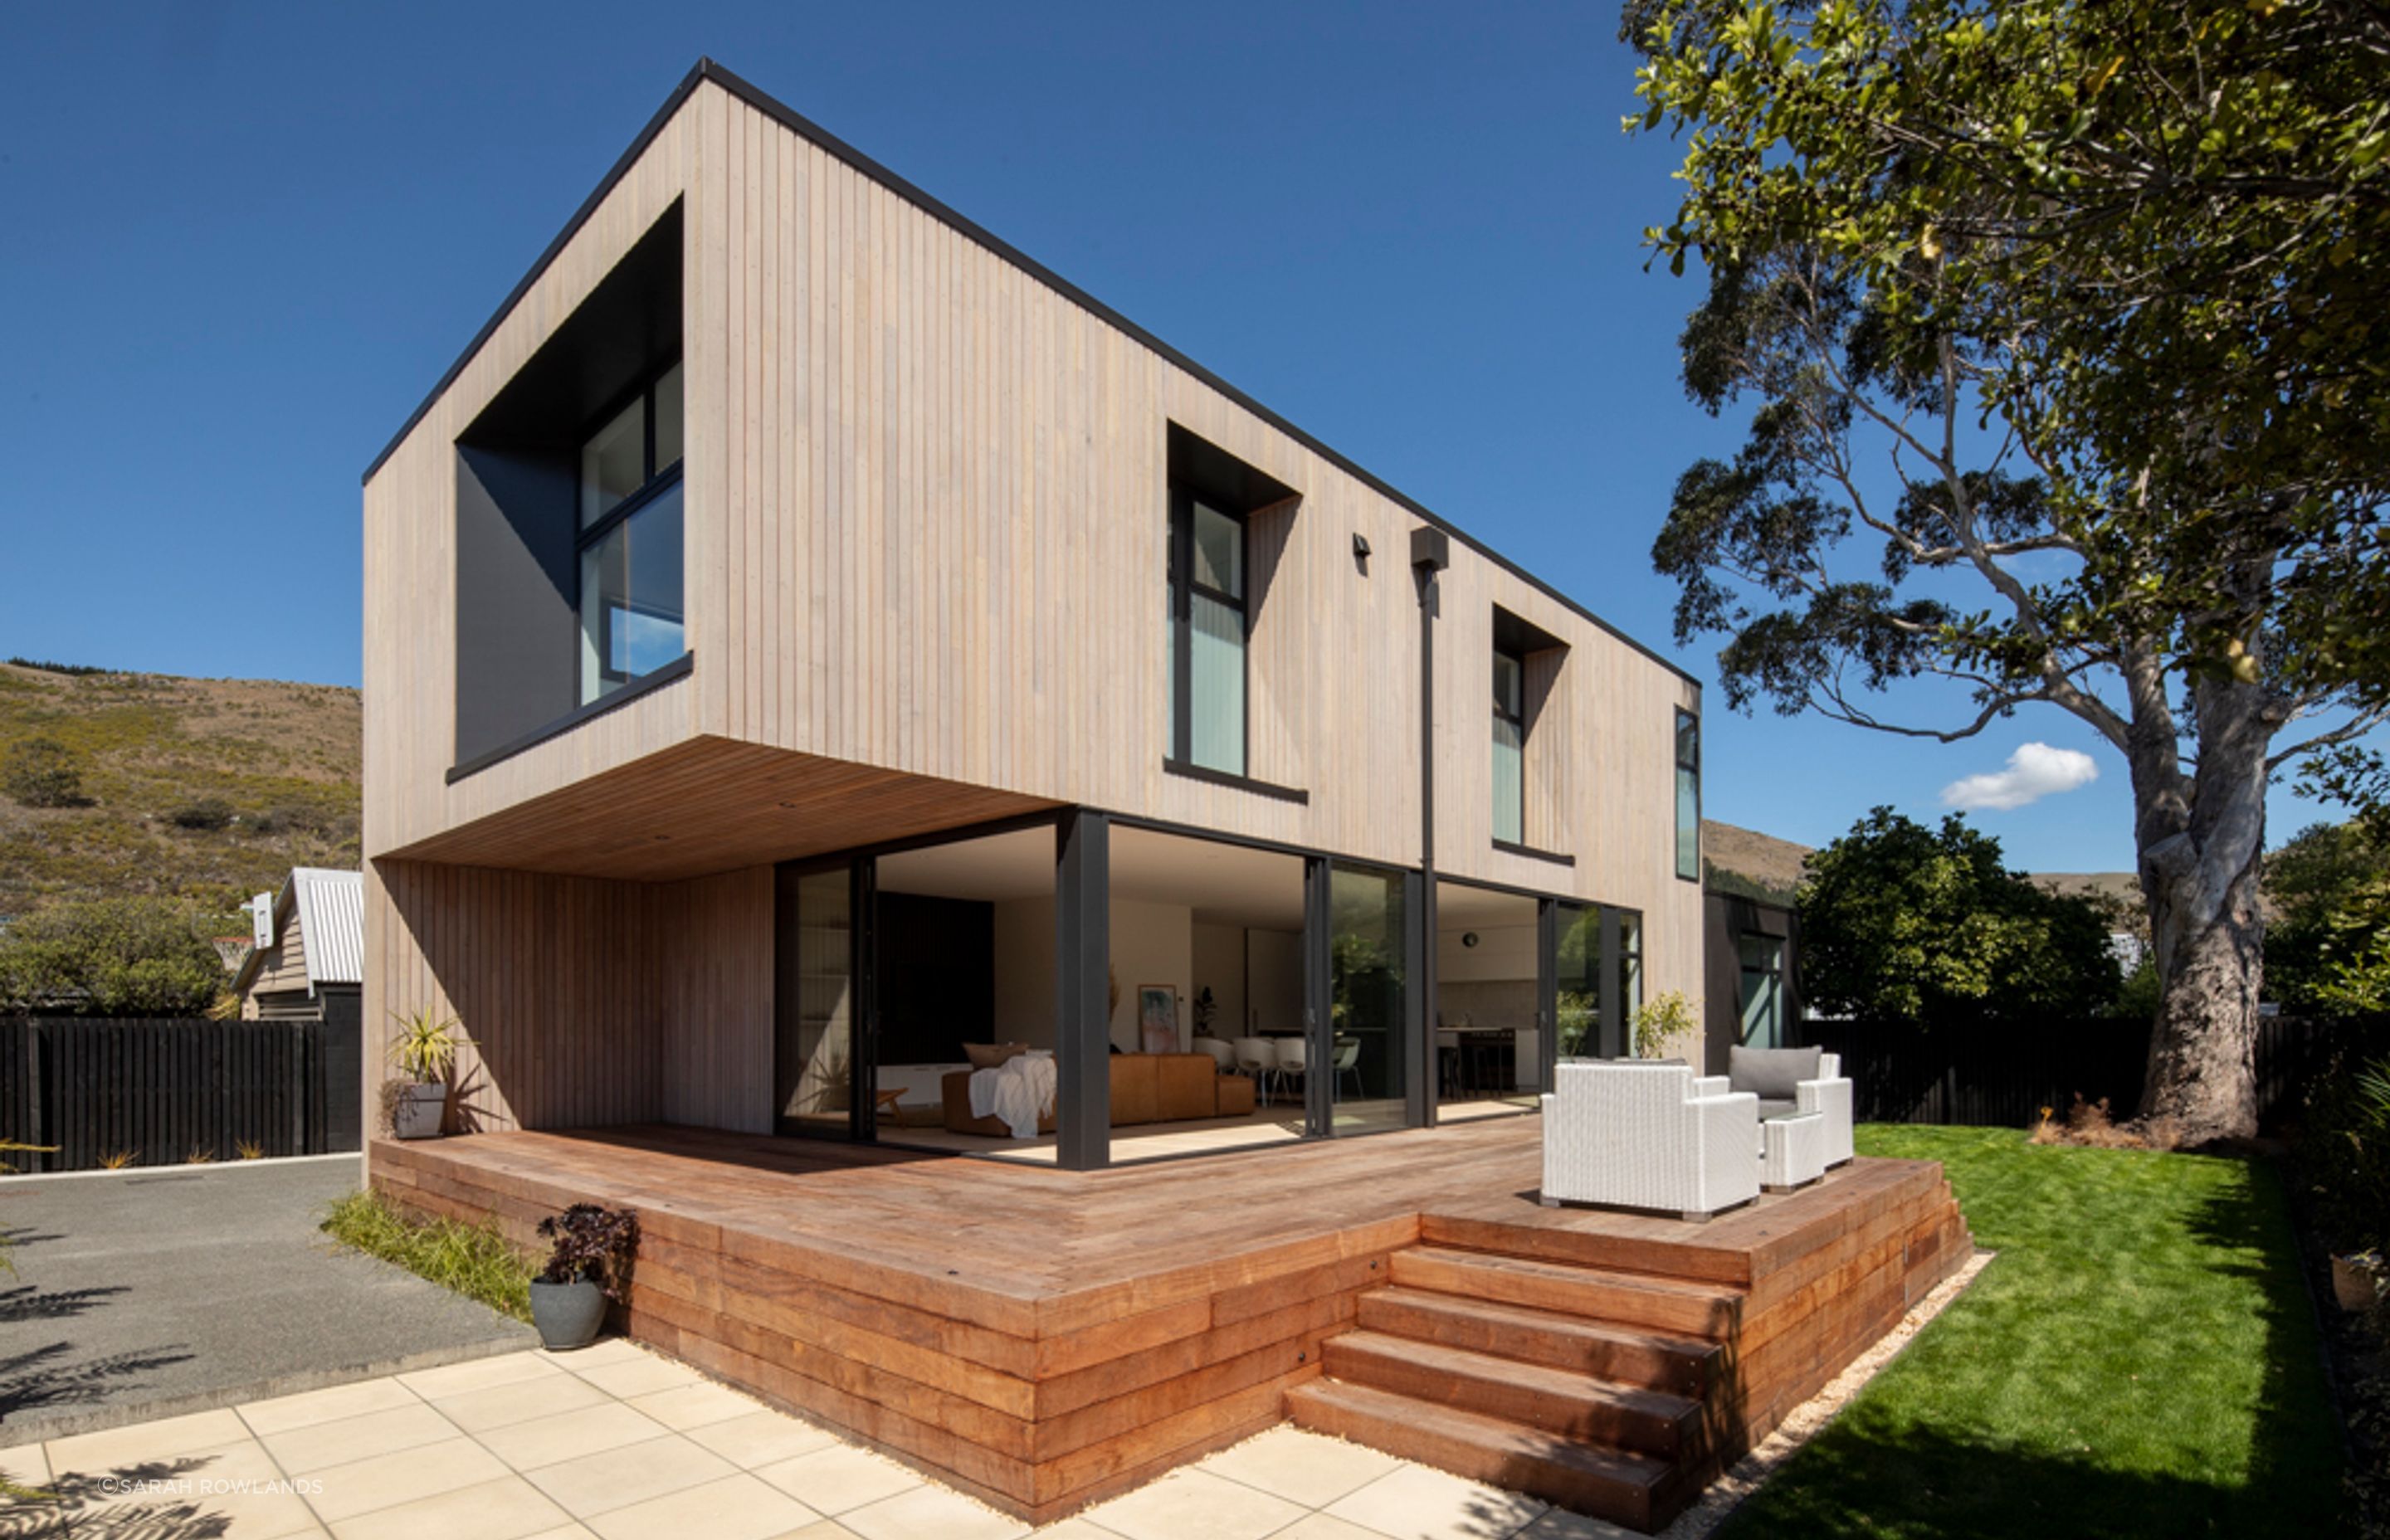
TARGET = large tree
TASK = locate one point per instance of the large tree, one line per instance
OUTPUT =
(2078, 315)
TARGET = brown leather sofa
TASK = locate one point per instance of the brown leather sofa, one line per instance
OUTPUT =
(1147, 1088)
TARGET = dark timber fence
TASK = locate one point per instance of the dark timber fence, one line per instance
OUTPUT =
(2002, 1075)
(162, 1092)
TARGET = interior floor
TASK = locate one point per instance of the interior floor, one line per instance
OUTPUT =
(1158, 1141)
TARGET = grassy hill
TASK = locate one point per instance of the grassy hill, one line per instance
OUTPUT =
(1774, 865)
(282, 759)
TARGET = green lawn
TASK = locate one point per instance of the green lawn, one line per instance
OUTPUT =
(2139, 1360)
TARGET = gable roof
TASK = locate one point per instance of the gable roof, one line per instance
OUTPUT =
(329, 907)
(838, 150)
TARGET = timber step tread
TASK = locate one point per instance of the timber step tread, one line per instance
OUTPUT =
(1636, 1490)
(1620, 1299)
(1626, 1355)
(1557, 1401)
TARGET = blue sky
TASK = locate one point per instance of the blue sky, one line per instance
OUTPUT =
(243, 241)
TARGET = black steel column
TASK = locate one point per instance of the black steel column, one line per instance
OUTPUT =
(1431, 553)
(1418, 950)
(1319, 1003)
(1083, 1110)
(1547, 992)
(1613, 1037)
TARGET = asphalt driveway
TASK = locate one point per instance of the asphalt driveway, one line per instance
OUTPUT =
(141, 1295)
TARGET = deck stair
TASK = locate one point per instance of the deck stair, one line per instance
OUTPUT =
(1585, 1386)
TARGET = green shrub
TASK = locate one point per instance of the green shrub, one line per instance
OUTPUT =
(2343, 1154)
(476, 1261)
(109, 957)
(208, 813)
(42, 772)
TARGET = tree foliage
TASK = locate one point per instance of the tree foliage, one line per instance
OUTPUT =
(42, 772)
(2328, 896)
(2067, 330)
(1900, 922)
(2149, 243)
(116, 956)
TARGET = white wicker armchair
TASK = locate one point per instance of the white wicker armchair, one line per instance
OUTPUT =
(1649, 1137)
(1828, 1093)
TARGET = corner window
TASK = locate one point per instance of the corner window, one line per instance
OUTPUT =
(1510, 748)
(630, 542)
(1688, 796)
(1762, 959)
(1208, 628)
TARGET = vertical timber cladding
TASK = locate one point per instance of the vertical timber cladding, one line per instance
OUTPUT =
(587, 1001)
(948, 479)
(926, 515)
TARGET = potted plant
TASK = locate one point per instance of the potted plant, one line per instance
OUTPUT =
(2355, 1280)
(589, 1265)
(425, 1053)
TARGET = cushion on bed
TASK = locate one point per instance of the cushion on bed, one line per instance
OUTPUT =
(987, 1056)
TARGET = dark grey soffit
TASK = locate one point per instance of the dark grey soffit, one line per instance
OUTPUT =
(839, 149)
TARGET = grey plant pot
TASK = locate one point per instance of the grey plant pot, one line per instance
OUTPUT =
(568, 1314)
(420, 1111)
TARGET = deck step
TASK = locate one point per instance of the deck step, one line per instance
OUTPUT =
(1635, 1490)
(1625, 1356)
(1705, 1310)
(1555, 1400)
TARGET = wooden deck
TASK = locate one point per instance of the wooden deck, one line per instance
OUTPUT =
(1045, 1338)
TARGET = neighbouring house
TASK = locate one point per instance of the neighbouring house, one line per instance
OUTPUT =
(1752, 987)
(775, 759)
(305, 960)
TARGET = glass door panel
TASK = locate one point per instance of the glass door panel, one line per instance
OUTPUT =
(1576, 972)
(817, 1011)
(1368, 1057)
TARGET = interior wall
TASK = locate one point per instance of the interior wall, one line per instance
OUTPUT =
(1274, 1001)
(1152, 943)
(1502, 951)
(1219, 966)
(1024, 970)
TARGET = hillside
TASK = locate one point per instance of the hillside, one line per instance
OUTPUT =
(283, 759)
(1773, 863)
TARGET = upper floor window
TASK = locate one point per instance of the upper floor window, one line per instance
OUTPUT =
(1208, 629)
(1688, 796)
(629, 546)
(1510, 748)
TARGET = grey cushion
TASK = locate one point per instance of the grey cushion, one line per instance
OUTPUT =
(1772, 1108)
(1770, 1074)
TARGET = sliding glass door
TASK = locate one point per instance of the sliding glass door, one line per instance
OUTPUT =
(1576, 980)
(1368, 1051)
(822, 1053)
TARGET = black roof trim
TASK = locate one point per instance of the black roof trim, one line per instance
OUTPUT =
(830, 144)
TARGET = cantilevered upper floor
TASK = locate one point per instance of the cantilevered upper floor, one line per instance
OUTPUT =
(780, 509)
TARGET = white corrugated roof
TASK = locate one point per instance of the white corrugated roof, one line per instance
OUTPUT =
(332, 920)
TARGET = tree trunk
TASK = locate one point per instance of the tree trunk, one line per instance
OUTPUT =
(2200, 847)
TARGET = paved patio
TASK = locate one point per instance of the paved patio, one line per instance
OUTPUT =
(142, 1294)
(618, 1443)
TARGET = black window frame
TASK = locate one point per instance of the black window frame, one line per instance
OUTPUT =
(657, 483)
(1182, 589)
(1686, 719)
(1518, 661)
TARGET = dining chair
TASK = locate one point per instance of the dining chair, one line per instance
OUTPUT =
(1292, 1059)
(1258, 1058)
(1348, 1062)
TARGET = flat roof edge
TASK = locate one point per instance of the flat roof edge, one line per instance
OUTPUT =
(838, 150)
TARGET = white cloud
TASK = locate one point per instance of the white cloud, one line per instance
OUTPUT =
(2034, 771)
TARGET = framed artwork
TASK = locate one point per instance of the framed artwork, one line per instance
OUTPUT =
(1157, 1018)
